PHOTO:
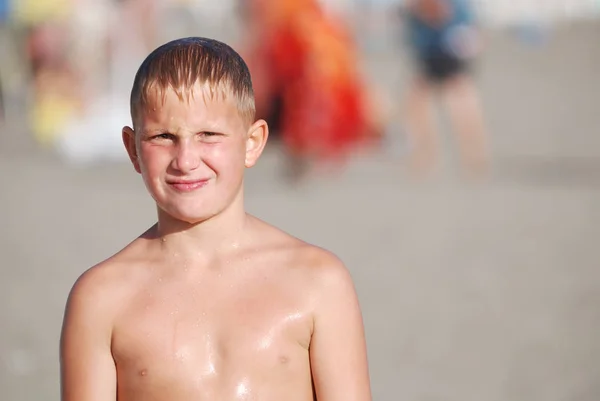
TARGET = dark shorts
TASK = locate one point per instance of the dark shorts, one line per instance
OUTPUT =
(440, 67)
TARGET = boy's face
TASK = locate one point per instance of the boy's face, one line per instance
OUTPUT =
(192, 153)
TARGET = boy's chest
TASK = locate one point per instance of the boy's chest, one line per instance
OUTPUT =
(211, 332)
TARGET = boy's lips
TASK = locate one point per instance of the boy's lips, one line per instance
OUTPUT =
(187, 185)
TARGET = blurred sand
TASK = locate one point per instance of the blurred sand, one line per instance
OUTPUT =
(469, 292)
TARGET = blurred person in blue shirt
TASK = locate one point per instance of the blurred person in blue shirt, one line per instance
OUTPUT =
(443, 39)
(4, 9)
(4, 38)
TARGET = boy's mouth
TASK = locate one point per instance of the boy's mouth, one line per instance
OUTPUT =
(187, 185)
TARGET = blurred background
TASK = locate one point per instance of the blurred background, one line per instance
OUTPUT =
(460, 186)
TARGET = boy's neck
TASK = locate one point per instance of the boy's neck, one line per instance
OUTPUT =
(219, 234)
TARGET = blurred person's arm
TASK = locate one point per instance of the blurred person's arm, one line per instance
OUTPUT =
(338, 352)
(469, 19)
(88, 371)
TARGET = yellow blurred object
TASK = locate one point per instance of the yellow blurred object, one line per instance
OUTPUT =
(53, 103)
(33, 12)
(50, 114)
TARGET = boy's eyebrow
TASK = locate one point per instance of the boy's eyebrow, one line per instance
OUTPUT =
(147, 131)
(216, 128)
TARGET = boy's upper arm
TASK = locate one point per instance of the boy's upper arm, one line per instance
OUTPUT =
(88, 371)
(338, 352)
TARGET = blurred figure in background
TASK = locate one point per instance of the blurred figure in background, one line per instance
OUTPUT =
(4, 35)
(308, 85)
(444, 40)
(109, 38)
(76, 56)
(53, 82)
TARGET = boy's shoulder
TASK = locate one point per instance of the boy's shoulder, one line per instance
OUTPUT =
(107, 281)
(318, 264)
(317, 274)
(113, 279)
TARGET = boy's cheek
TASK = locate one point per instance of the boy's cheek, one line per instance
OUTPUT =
(154, 154)
(152, 167)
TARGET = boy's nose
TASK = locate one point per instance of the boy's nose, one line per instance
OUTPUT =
(187, 158)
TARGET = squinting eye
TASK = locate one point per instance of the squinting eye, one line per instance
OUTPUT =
(208, 133)
(163, 136)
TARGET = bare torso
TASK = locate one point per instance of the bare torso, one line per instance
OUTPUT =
(270, 318)
(236, 330)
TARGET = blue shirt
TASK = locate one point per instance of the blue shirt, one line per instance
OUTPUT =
(4, 10)
(426, 40)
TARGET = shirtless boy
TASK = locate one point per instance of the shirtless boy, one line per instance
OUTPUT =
(209, 304)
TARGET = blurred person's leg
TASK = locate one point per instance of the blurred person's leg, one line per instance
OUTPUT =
(421, 19)
(419, 126)
(467, 117)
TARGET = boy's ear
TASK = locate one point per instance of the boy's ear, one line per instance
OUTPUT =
(256, 141)
(129, 142)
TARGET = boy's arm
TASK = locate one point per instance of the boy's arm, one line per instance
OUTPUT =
(88, 371)
(338, 354)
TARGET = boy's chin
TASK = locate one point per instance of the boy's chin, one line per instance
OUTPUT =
(186, 217)
(192, 219)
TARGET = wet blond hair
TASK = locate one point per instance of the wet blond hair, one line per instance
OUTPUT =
(183, 63)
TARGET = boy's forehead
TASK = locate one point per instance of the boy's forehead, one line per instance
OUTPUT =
(200, 100)
(209, 95)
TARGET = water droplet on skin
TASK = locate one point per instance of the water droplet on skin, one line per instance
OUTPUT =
(183, 354)
(243, 389)
(212, 369)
